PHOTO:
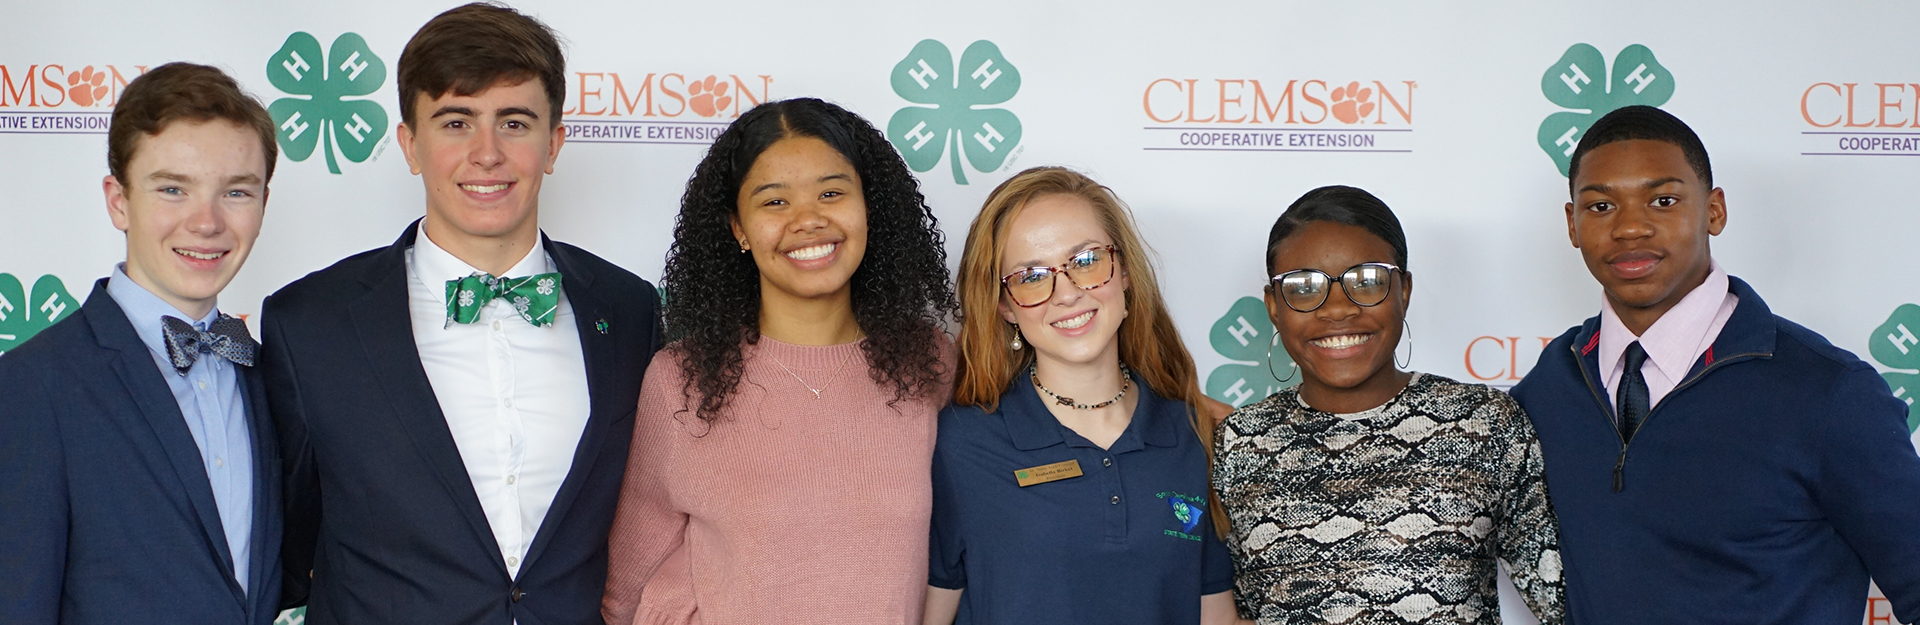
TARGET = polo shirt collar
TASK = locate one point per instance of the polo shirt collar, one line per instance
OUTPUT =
(1156, 420)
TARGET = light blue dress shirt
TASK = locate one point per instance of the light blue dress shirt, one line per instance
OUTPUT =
(215, 410)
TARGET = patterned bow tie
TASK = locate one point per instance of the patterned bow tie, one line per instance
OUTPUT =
(535, 297)
(226, 337)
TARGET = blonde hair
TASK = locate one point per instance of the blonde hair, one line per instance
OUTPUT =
(1149, 343)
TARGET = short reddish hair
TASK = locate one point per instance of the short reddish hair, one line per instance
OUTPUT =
(176, 92)
(475, 46)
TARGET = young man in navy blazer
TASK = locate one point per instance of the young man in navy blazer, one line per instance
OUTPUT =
(1710, 462)
(455, 409)
(139, 481)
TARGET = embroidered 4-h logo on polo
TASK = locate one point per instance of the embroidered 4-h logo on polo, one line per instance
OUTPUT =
(1188, 514)
(1582, 81)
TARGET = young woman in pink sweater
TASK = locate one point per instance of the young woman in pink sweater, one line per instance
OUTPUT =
(779, 469)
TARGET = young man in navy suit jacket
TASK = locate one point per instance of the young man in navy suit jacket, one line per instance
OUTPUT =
(139, 477)
(455, 409)
(1710, 462)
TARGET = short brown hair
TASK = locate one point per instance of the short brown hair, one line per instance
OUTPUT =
(475, 46)
(182, 91)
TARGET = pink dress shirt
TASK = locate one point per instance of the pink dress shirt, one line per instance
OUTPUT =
(1673, 343)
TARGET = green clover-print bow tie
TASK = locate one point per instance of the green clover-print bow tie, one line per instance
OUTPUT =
(535, 297)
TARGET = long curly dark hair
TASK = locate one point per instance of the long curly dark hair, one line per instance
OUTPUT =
(902, 295)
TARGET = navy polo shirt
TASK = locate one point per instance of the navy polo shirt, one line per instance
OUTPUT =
(1129, 541)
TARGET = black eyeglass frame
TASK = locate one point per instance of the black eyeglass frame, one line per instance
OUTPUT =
(1059, 270)
(1273, 284)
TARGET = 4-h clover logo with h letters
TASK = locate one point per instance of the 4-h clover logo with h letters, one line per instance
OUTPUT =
(318, 111)
(25, 313)
(1896, 345)
(1582, 81)
(1244, 335)
(956, 117)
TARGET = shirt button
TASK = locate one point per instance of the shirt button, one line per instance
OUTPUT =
(510, 480)
(1106, 462)
(496, 325)
(513, 561)
(202, 384)
(1115, 500)
(508, 402)
(219, 462)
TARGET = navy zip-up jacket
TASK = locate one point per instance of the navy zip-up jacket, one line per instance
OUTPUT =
(1764, 489)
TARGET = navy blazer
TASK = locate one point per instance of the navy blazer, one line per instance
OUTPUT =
(379, 505)
(106, 513)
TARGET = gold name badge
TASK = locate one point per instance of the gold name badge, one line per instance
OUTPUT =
(1047, 473)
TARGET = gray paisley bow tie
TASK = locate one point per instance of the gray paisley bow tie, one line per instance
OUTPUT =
(226, 337)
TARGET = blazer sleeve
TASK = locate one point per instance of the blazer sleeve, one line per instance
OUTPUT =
(301, 488)
(1869, 484)
(33, 502)
(649, 579)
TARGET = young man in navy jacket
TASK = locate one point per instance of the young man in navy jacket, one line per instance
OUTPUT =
(1710, 462)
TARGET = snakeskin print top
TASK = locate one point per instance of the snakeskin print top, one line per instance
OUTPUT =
(1392, 515)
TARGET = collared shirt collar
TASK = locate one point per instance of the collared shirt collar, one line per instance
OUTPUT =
(1156, 420)
(1674, 340)
(144, 310)
(435, 265)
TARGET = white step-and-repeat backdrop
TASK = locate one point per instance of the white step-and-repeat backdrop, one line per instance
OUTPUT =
(1209, 118)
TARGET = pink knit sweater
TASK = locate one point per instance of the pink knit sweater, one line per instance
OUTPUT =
(789, 509)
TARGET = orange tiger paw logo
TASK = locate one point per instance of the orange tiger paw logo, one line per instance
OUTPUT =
(1352, 103)
(709, 96)
(87, 87)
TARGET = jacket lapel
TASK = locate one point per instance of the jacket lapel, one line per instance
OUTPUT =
(598, 350)
(266, 492)
(176, 452)
(384, 323)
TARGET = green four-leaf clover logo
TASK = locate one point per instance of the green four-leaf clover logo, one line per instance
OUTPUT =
(1582, 81)
(1896, 345)
(1243, 335)
(955, 117)
(318, 113)
(25, 313)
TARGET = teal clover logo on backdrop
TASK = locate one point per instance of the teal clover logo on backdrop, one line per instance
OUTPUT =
(1242, 336)
(955, 113)
(1896, 345)
(324, 107)
(24, 313)
(1582, 81)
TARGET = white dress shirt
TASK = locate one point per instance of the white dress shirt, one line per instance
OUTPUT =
(515, 396)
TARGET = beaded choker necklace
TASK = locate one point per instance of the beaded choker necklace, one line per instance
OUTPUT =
(1126, 381)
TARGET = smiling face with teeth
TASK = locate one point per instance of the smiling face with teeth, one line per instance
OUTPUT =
(191, 207)
(482, 158)
(1344, 350)
(803, 216)
(1076, 326)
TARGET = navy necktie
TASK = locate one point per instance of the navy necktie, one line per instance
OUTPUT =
(226, 337)
(1632, 399)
